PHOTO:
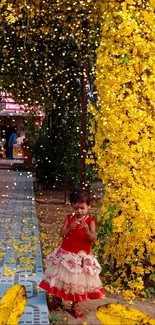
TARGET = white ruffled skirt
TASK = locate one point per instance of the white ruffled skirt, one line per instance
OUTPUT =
(72, 276)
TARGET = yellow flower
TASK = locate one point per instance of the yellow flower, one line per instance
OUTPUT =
(124, 128)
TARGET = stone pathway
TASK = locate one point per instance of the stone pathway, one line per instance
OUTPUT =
(20, 254)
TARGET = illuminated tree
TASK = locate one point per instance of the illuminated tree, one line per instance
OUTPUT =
(46, 47)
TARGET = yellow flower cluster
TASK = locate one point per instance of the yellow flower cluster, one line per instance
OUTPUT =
(124, 127)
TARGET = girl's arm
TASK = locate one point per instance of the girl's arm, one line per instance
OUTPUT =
(90, 232)
(66, 230)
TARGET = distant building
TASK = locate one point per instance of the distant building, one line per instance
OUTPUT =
(13, 114)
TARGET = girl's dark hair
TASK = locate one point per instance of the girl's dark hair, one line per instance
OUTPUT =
(79, 195)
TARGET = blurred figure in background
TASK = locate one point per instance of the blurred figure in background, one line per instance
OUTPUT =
(11, 142)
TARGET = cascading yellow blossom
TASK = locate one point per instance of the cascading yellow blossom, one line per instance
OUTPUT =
(125, 135)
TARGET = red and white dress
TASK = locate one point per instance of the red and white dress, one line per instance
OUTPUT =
(72, 272)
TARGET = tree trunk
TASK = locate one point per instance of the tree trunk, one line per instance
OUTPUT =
(68, 182)
(84, 102)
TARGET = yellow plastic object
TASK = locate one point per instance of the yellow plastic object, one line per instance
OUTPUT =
(117, 314)
(12, 305)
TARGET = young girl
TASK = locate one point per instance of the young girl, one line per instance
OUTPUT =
(72, 271)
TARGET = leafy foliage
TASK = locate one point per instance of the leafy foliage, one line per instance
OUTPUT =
(57, 319)
(36, 38)
(55, 161)
(41, 62)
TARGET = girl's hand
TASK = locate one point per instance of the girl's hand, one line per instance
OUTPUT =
(89, 231)
(84, 226)
(73, 225)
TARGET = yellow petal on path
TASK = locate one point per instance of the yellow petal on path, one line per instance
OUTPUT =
(117, 314)
(12, 305)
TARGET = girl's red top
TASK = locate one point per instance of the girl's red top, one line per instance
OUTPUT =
(77, 240)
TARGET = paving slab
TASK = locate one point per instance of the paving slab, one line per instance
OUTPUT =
(20, 258)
